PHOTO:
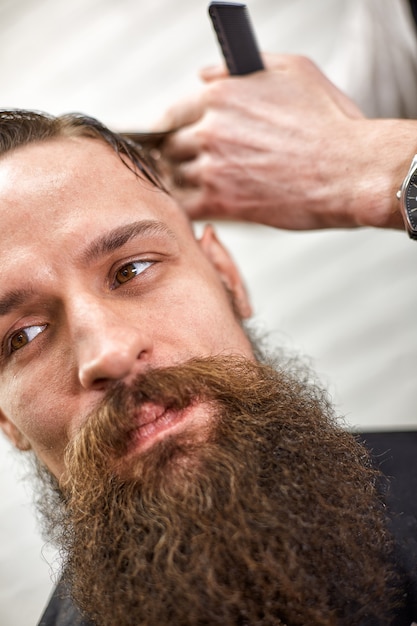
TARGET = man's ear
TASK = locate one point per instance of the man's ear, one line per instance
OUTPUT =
(12, 432)
(227, 270)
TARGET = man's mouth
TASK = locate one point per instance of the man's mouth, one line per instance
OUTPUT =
(156, 421)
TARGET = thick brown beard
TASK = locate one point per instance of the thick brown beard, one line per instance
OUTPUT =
(273, 519)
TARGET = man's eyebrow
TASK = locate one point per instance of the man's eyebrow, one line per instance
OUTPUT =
(13, 299)
(116, 238)
(104, 244)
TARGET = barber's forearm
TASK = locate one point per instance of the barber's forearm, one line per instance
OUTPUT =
(389, 148)
(375, 157)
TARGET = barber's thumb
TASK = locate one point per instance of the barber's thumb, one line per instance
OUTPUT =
(213, 72)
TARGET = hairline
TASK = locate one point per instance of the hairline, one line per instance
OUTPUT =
(21, 127)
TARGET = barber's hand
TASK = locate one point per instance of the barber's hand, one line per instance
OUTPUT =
(282, 147)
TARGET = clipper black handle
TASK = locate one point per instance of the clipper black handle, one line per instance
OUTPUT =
(236, 37)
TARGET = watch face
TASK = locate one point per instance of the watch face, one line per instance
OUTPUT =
(411, 201)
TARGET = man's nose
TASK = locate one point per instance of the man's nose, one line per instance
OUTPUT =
(109, 349)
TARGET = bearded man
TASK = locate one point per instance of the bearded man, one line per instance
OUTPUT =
(186, 479)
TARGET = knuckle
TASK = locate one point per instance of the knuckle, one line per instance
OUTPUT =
(207, 172)
(167, 120)
(207, 134)
(219, 92)
(304, 63)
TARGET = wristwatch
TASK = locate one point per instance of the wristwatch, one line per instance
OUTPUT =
(407, 196)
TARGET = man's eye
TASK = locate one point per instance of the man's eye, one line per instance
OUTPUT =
(24, 336)
(130, 270)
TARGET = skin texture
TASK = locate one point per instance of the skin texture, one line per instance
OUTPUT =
(284, 147)
(86, 329)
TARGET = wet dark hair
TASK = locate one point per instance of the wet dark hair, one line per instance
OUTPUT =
(19, 127)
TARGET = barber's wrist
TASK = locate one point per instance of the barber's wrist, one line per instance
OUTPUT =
(388, 149)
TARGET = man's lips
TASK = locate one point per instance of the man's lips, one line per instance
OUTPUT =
(153, 421)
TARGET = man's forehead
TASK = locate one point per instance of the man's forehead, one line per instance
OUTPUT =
(51, 189)
(57, 160)
(58, 172)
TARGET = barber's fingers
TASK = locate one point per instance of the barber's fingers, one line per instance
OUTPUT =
(213, 72)
(187, 192)
(188, 110)
(188, 174)
(191, 200)
(184, 112)
(320, 80)
(182, 145)
(299, 65)
(304, 70)
(189, 188)
(200, 196)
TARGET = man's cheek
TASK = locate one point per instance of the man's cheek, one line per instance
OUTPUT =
(44, 425)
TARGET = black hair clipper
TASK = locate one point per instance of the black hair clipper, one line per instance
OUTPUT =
(236, 37)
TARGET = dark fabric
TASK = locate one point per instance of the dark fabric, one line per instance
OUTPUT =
(396, 456)
(413, 5)
(61, 611)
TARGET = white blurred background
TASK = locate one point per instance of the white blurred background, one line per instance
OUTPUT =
(344, 299)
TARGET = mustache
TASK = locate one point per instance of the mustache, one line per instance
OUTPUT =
(108, 430)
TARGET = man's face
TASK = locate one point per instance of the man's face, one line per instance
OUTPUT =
(101, 279)
(236, 517)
